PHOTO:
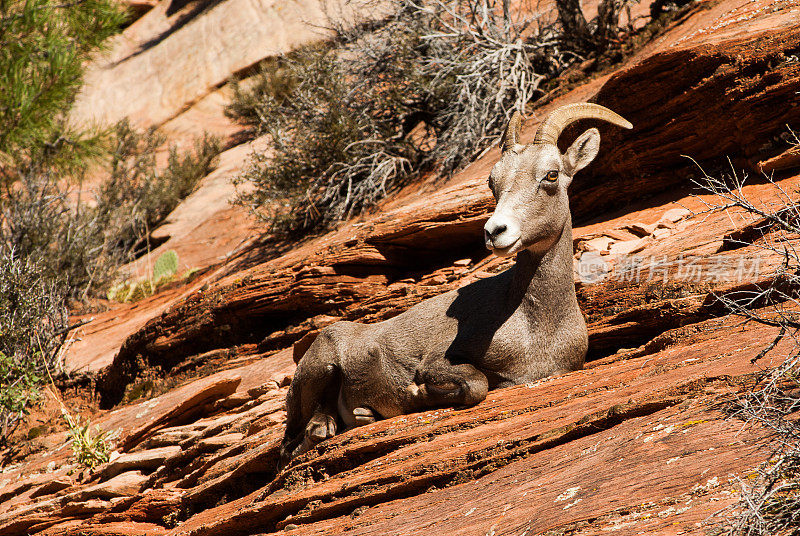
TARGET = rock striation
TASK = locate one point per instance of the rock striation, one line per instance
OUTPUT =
(637, 442)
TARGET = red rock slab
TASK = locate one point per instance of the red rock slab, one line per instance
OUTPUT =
(123, 485)
(19, 521)
(788, 159)
(138, 421)
(405, 456)
(665, 459)
(125, 528)
(727, 20)
(152, 505)
(150, 77)
(257, 305)
(93, 346)
(57, 526)
(205, 116)
(12, 488)
(30, 486)
(147, 460)
(224, 473)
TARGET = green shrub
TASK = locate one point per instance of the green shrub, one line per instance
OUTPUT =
(18, 388)
(40, 221)
(33, 324)
(55, 244)
(44, 46)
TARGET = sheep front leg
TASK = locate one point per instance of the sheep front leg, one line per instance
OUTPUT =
(442, 384)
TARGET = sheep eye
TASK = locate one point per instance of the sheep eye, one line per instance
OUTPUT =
(551, 175)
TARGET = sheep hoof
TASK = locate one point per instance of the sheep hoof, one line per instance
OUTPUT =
(442, 388)
(320, 428)
(364, 416)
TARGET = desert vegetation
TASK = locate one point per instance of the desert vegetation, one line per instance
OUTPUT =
(66, 244)
(61, 243)
(425, 90)
(44, 45)
(770, 502)
(33, 325)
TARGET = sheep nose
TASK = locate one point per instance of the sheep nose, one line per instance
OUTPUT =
(494, 229)
(500, 233)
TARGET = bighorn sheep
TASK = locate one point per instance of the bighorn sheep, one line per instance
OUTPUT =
(516, 327)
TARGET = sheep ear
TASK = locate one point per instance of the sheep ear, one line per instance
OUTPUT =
(513, 132)
(582, 151)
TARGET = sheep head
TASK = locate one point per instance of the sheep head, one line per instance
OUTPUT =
(530, 181)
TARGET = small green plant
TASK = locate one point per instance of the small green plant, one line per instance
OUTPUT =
(164, 271)
(89, 447)
(18, 389)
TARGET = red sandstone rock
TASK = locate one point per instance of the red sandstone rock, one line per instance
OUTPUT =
(143, 459)
(150, 77)
(122, 485)
(635, 443)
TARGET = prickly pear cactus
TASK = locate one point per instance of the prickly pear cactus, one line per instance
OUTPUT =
(164, 271)
(166, 267)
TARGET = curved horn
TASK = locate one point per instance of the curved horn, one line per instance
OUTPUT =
(513, 132)
(559, 119)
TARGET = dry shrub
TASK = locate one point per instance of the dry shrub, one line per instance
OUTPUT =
(770, 502)
(345, 118)
(33, 324)
(57, 245)
(330, 146)
(40, 224)
(81, 239)
(137, 195)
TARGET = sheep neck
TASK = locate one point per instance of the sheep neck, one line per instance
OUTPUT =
(543, 282)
